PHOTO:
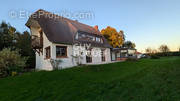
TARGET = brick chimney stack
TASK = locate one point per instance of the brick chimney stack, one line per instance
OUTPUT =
(96, 27)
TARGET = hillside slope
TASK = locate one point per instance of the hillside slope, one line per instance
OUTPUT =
(144, 80)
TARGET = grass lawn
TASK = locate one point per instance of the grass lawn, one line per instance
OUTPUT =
(144, 80)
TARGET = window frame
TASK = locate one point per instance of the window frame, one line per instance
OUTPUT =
(65, 56)
(102, 41)
(84, 36)
(103, 56)
(98, 39)
(48, 56)
(77, 36)
(89, 57)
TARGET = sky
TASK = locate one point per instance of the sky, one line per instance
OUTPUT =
(148, 23)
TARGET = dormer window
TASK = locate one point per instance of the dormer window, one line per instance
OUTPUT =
(83, 35)
(88, 37)
(98, 39)
(76, 37)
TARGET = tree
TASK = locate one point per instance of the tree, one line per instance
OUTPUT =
(24, 44)
(7, 35)
(113, 37)
(148, 50)
(151, 51)
(164, 49)
(129, 44)
(11, 38)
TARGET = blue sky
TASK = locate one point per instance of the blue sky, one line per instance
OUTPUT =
(148, 23)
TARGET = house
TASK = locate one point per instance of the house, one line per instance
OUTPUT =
(139, 55)
(118, 54)
(58, 38)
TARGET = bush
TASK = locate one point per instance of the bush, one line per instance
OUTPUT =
(155, 57)
(11, 62)
(56, 64)
(131, 59)
(168, 54)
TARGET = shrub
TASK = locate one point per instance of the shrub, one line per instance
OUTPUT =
(155, 57)
(13, 73)
(168, 54)
(56, 64)
(131, 59)
(11, 61)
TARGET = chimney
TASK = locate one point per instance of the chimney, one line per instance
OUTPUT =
(96, 27)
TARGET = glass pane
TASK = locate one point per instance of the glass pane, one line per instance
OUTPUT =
(60, 51)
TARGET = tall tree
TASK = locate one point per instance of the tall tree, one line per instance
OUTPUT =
(7, 35)
(114, 38)
(10, 38)
(148, 50)
(164, 49)
(24, 44)
(151, 51)
(129, 44)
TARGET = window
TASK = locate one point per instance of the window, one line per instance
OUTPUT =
(61, 51)
(103, 55)
(80, 36)
(41, 37)
(87, 37)
(77, 36)
(118, 54)
(98, 39)
(48, 52)
(89, 57)
(101, 40)
(93, 38)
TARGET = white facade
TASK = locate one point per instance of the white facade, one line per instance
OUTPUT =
(44, 64)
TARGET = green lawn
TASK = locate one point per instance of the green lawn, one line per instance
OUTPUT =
(145, 80)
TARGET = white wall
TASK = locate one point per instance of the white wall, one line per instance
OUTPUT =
(131, 51)
(41, 62)
(67, 61)
(98, 59)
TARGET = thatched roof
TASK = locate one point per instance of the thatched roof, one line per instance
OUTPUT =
(62, 30)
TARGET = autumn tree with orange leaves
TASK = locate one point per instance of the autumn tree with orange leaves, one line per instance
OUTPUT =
(116, 39)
